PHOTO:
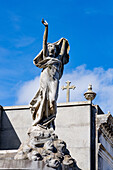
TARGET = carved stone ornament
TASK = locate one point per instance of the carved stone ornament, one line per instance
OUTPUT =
(105, 126)
(90, 95)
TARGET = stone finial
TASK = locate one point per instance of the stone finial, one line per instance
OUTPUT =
(90, 95)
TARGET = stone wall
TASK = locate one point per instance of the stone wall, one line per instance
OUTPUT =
(73, 125)
(15, 120)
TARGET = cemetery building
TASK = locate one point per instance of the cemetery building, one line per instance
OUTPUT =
(86, 129)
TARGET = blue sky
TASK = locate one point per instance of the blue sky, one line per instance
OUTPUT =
(88, 26)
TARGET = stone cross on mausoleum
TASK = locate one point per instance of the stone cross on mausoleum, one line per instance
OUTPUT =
(68, 87)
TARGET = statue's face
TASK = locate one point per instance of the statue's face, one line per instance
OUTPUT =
(51, 49)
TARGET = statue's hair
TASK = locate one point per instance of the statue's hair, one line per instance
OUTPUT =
(58, 46)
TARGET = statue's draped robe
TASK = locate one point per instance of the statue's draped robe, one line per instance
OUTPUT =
(43, 105)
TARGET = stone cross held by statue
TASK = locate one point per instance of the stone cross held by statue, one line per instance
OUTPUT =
(68, 87)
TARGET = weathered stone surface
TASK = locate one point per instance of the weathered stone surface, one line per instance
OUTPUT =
(43, 144)
(77, 119)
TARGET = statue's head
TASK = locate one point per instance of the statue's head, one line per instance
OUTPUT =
(51, 49)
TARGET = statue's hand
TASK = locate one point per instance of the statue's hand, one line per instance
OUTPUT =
(44, 22)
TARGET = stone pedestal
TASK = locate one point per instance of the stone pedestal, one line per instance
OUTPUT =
(43, 145)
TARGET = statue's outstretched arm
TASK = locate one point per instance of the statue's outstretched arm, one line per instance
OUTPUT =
(45, 38)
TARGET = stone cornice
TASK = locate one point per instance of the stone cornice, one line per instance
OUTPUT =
(105, 155)
(105, 127)
(68, 104)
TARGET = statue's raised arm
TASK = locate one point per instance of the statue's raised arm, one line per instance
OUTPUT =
(45, 38)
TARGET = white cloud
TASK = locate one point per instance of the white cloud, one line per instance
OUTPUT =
(27, 91)
(24, 41)
(102, 81)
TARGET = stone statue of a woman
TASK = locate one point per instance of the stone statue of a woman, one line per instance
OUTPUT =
(51, 59)
(43, 144)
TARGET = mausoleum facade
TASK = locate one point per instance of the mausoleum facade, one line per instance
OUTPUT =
(87, 131)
